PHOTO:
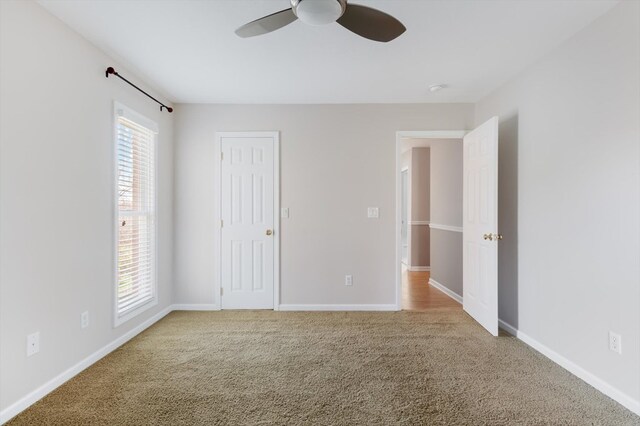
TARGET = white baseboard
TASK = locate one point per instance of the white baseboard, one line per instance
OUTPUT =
(196, 307)
(604, 387)
(34, 396)
(330, 307)
(508, 328)
(455, 296)
(419, 268)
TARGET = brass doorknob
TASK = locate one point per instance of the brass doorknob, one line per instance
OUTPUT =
(269, 232)
(497, 236)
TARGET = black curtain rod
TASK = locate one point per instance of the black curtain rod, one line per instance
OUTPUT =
(110, 70)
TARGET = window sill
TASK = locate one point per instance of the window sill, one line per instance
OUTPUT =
(119, 320)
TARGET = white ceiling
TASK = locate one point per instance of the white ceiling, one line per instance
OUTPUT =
(188, 49)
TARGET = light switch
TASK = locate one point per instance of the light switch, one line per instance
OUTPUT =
(373, 213)
(284, 212)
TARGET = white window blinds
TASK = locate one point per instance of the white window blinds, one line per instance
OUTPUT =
(135, 150)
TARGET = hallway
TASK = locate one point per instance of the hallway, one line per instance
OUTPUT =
(418, 295)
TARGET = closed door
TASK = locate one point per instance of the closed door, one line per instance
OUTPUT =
(247, 228)
(480, 225)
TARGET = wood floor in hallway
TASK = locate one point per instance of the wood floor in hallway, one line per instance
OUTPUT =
(418, 295)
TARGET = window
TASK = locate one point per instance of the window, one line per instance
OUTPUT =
(135, 140)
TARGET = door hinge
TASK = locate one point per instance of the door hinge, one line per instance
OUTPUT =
(221, 223)
(221, 156)
(221, 291)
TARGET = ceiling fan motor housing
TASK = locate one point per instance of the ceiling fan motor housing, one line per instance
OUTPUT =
(318, 12)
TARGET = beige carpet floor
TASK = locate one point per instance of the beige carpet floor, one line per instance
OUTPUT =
(332, 368)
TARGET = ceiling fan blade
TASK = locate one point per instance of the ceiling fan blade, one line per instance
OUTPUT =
(371, 23)
(267, 24)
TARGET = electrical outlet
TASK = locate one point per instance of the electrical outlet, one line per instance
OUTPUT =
(33, 343)
(373, 213)
(615, 342)
(84, 319)
(348, 280)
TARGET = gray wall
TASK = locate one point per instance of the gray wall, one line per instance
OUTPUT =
(420, 183)
(56, 197)
(446, 209)
(570, 199)
(446, 259)
(446, 182)
(420, 246)
(420, 205)
(336, 160)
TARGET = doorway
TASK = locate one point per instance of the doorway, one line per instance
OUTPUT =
(466, 211)
(247, 240)
(431, 197)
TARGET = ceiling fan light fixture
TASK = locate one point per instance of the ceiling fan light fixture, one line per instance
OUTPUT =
(364, 21)
(318, 12)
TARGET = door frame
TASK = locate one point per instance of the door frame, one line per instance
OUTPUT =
(217, 214)
(400, 135)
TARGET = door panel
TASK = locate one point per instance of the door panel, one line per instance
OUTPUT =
(480, 225)
(247, 207)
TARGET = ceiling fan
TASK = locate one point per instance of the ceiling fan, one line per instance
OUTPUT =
(365, 21)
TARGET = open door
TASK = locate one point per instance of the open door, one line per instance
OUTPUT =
(480, 225)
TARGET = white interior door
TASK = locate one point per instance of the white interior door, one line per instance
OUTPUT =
(405, 217)
(247, 228)
(480, 225)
